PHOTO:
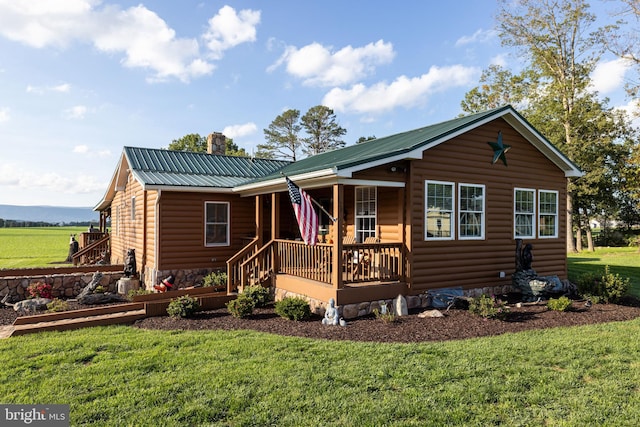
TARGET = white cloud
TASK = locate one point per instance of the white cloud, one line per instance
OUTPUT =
(88, 152)
(632, 108)
(4, 114)
(499, 60)
(228, 29)
(318, 65)
(75, 113)
(139, 34)
(238, 131)
(608, 76)
(403, 92)
(39, 90)
(81, 149)
(480, 36)
(23, 178)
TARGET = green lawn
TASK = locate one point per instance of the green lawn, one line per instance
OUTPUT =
(118, 376)
(35, 247)
(623, 261)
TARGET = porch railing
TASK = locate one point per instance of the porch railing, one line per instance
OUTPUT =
(310, 262)
(369, 262)
(94, 247)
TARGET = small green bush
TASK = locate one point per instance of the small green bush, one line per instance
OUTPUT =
(183, 306)
(559, 304)
(241, 307)
(293, 308)
(606, 287)
(99, 290)
(217, 279)
(133, 292)
(384, 314)
(57, 305)
(259, 294)
(488, 307)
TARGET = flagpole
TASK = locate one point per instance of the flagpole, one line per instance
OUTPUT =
(332, 218)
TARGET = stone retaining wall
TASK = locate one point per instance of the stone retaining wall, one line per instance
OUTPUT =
(184, 278)
(351, 311)
(64, 285)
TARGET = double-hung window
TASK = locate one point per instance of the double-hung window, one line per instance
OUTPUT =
(216, 224)
(471, 211)
(439, 210)
(366, 201)
(548, 214)
(524, 213)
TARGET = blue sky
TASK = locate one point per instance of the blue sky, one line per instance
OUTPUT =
(81, 79)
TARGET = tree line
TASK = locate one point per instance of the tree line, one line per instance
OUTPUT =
(558, 45)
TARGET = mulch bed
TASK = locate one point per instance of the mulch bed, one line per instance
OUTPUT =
(455, 325)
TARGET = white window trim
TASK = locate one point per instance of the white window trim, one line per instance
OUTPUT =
(228, 238)
(453, 211)
(557, 214)
(533, 214)
(355, 210)
(483, 212)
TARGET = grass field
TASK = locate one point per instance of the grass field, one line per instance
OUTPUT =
(35, 247)
(123, 376)
(623, 261)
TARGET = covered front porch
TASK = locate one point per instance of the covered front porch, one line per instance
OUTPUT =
(355, 261)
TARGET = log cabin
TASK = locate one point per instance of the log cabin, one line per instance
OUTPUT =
(436, 207)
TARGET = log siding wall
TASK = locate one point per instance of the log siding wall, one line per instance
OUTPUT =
(477, 263)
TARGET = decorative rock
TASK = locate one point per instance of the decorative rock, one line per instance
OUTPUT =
(31, 305)
(430, 313)
(126, 284)
(400, 305)
(101, 298)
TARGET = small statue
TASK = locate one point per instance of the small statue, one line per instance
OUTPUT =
(130, 263)
(165, 285)
(331, 314)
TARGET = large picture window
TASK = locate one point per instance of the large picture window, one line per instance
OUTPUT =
(471, 211)
(216, 224)
(439, 207)
(524, 213)
(366, 202)
(548, 214)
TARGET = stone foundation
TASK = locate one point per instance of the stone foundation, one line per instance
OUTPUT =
(351, 311)
(63, 285)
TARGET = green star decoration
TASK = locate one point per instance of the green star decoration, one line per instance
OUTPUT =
(499, 150)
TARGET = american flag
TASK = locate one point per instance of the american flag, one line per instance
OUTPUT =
(305, 214)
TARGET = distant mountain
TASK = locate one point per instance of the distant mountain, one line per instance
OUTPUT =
(52, 214)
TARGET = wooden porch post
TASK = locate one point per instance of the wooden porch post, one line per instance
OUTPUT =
(336, 235)
(259, 219)
(275, 232)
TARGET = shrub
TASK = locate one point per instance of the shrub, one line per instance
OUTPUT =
(57, 305)
(559, 304)
(384, 314)
(183, 306)
(606, 287)
(133, 292)
(39, 290)
(488, 307)
(241, 307)
(99, 290)
(259, 294)
(293, 308)
(217, 279)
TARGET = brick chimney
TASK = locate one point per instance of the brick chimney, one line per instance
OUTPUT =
(216, 143)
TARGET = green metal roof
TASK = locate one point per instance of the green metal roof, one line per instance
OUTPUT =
(396, 146)
(157, 167)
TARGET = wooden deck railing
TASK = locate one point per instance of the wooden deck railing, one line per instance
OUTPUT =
(310, 262)
(369, 262)
(97, 247)
(372, 262)
(234, 265)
